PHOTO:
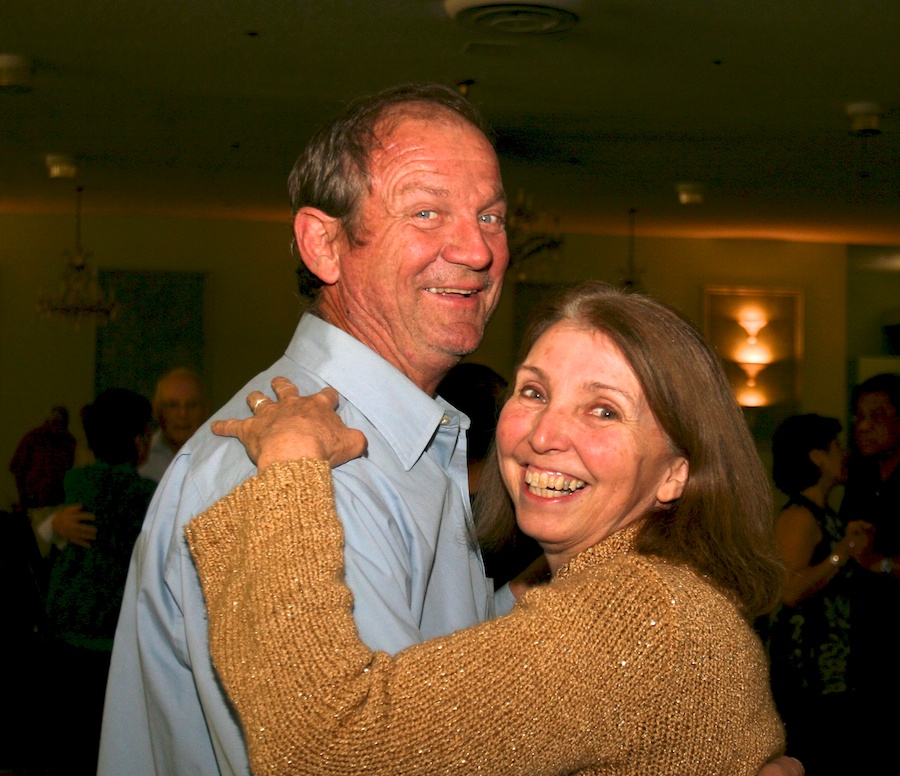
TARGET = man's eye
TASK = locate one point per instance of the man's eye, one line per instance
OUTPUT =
(426, 215)
(491, 218)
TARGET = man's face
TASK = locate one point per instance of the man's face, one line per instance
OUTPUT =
(179, 408)
(877, 425)
(421, 289)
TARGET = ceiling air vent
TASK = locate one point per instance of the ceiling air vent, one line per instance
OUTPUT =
(513, 18)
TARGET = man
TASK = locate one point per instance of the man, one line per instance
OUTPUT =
(180, 408)
(872, 494)
(399, 213)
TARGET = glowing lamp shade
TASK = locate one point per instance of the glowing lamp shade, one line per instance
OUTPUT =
(753, 353)
(758, 332)
(751, 320)
(751, 397)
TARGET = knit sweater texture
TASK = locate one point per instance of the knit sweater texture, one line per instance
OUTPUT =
(623, 664)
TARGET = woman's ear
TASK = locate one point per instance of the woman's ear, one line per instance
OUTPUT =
(317, 235)
(818, 458)
(672, 485)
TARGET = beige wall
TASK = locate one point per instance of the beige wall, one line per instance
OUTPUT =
(873, 289)
(251, 307)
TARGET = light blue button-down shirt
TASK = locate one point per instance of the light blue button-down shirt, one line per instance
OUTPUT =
(411, 562)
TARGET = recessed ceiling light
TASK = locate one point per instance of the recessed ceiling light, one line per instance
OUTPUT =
(16, 73)
(60, 166)
(514, 18)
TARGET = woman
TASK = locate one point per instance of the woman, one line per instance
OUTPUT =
(809, 639)
(651, 507)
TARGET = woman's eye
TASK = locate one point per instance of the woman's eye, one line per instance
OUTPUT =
(529, 392)
(605, 412)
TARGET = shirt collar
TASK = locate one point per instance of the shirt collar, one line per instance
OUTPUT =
(401, 412)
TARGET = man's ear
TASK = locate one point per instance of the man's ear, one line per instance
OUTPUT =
(672, 485)
(317, 235)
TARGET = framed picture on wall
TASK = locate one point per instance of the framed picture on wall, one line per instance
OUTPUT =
(159, 326)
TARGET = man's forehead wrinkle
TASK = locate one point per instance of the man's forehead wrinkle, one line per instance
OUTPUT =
(415, 186)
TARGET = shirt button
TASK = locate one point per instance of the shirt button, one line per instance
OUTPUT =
(445, 420)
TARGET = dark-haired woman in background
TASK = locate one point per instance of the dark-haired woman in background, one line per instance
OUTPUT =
(809, 638)
(86, 584)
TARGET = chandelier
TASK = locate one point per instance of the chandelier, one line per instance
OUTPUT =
(79, 297)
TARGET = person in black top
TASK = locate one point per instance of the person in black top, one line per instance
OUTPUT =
(809, 636)
(873, 494)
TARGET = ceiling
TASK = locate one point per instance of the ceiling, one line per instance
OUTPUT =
(200, 108)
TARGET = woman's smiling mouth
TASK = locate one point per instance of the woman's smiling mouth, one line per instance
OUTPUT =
(551, 484)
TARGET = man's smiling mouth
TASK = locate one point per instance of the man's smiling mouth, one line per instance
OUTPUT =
(454, 291)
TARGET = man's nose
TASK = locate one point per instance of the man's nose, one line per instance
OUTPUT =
(468, 245)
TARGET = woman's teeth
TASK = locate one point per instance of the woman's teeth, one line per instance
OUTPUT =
(549, 485)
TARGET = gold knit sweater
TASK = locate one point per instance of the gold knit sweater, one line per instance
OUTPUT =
(624, 664)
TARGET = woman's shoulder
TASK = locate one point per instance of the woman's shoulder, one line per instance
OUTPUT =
(658, 589)
(799, 517)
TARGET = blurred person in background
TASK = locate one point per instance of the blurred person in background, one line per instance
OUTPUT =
(41, 461)
(87, 583)
(809, 637)
(180, 408)
(873, 495)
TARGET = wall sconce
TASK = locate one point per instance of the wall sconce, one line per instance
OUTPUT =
(752, 356)
(16, 74)
(757, 333)
(60, 166)
(864, 118)
(690, 193)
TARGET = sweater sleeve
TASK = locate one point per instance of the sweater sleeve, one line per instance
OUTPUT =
(541, 690)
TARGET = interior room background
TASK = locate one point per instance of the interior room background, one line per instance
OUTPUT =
(251, 306)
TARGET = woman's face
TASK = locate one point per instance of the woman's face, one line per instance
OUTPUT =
(832, 462)
(580, 451)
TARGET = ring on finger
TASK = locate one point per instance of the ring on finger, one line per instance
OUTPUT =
(258, 402)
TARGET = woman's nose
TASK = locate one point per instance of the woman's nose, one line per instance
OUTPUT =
(548, 433)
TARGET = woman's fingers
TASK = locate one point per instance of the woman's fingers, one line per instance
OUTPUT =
(332, 395)
(229, 428)
(293, 426)
(284, 388)
(255, 400)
